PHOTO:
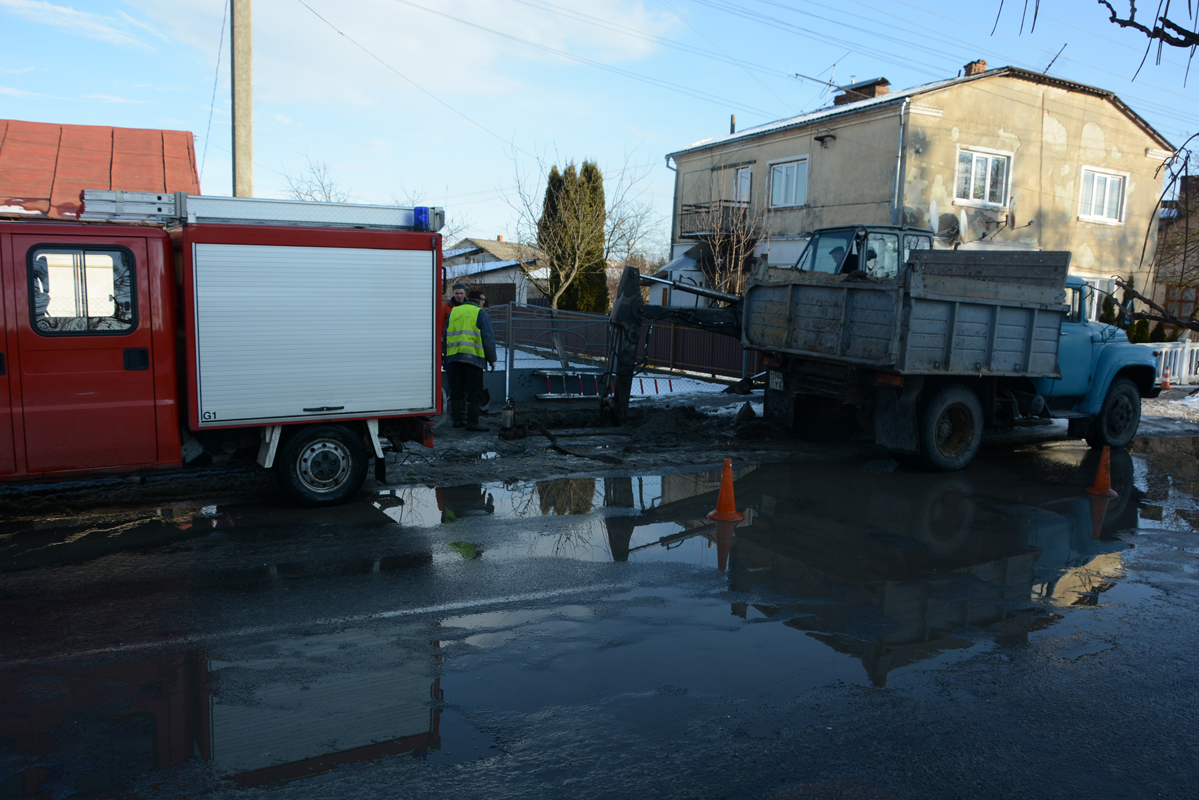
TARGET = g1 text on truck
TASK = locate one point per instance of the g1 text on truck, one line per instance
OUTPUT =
(929, 347)
(162, 326)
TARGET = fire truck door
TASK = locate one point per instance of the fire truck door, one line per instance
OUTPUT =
(83, 328)
(8, 462)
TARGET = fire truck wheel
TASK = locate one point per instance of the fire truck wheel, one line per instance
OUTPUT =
(951, 428)
(322, 465)
(1119, 417)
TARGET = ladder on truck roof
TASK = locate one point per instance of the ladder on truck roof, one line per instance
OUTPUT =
(182, 208)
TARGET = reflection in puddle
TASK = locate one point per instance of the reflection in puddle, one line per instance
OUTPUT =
(279, 710)
(886, 566)
(836, 574)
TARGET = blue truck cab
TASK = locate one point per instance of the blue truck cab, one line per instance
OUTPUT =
(1103, 376)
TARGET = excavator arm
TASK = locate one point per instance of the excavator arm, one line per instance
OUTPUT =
(630, 312)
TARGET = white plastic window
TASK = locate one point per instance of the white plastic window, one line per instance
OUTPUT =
(742, 185)
(1102, 196)
(982, 177)
(789, 184)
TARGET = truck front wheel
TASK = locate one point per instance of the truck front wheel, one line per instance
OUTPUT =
(1119, 417)
(951, 429)
(322, 465)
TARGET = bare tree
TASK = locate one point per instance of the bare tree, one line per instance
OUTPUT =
(721, 213)
(618, 229)
(1163, 30)
(315, 183)
(731, 230)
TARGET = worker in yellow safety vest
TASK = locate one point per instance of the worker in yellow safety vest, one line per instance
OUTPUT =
(469, 347)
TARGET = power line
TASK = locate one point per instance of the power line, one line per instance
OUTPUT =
(687, 22)
(725, 58)
(776, 23)
(361, 47)
(662, 84)
(258, 164)
(215, 74)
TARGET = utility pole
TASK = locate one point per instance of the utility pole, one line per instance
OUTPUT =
(242, 71)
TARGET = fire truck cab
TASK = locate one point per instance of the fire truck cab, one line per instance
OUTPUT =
(161, 327)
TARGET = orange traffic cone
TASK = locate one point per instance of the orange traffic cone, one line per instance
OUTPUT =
(1103, 479)
(1099, 505)
(1166, 378)
(726, 506)
(724, 543)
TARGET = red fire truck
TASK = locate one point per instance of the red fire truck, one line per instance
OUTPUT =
(161, 327)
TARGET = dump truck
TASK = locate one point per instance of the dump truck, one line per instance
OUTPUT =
(161, 327)
(875, 329)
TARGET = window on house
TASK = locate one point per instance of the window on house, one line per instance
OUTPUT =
(982, 177)
(1099, 288)
(1180, 301)
(789, 183)
(741, 185)
(79, 291)
(1102, 196)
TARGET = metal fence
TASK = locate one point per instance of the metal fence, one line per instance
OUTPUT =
(1182, 358)
(532, 333)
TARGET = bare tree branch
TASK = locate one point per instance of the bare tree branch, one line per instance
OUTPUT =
(620, 230)
(315, 183)
(1163, 29)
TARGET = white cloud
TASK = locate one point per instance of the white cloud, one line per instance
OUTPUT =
(109, 98)
(8, 90)
(286, 120)
(81, 23)
(299, 59)
(16, 71)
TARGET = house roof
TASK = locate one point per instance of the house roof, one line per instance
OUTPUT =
(859, 106)
(44, 166)
(479, 268)
(502, 251)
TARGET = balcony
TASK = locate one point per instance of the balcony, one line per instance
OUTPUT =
(714, 219)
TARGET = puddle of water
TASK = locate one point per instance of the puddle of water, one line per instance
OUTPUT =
(282, 709)
(839, 572)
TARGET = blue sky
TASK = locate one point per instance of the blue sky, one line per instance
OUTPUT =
(456, 102)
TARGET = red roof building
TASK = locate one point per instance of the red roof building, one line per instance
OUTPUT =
(44, 167)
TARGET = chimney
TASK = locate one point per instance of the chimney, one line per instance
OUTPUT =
(975, 67)
(500, 238)
(854, 92)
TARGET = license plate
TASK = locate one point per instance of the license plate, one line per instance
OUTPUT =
(776, 381)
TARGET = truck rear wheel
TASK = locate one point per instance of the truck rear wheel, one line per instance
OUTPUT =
(322, 465)
(951, 429)
(1119, 417)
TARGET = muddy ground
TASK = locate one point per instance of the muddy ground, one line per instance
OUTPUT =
(664, 434)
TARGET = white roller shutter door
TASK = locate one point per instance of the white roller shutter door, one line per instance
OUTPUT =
(287, 333)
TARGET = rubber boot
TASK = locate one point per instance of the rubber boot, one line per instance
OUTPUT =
(458, 411)
(472, 419)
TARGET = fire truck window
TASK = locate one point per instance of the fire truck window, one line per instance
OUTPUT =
(81, 291)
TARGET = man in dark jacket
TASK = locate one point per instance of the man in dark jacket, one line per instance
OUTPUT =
(469, 347)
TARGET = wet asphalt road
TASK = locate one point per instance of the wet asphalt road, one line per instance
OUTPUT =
(869, 631)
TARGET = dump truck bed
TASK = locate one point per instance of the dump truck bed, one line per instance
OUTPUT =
(947, 312)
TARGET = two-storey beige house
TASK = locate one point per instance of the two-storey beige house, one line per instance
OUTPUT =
(1002, 157)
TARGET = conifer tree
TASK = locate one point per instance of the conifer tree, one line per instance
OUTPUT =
(571, 233)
